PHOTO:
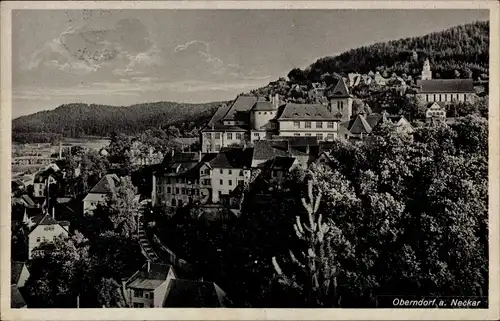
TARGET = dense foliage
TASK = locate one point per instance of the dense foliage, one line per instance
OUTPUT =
(77, 120)
(458, 52)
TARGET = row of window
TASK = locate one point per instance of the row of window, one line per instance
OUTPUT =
(238, 136)
(318, 136)
(180, 191)
(38, 240)
(181, 180)
(436, 113)
(143, 294)
(265, 112)
(445, 97)
(319, 124)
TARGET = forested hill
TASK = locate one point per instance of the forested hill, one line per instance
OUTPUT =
(463, 48)
(76, 120)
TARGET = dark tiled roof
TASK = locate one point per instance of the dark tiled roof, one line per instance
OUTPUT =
(241, 104)
(282, 163)
(16, 298)
(15, 271)
(194, 294)
(219, 114)
(262, 106)
(106, 185)
(338, 89)
(359, 125)
(269, 149)
(151, 279)
(439, 103)
(221, 127)
(373, 119)
(293, 111)
(446, 86)
(46, 219)
(233, 158)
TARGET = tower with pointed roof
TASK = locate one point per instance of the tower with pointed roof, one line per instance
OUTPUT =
(426, 70)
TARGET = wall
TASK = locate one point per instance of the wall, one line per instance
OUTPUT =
(148, 301)
(448, 97)
(90, 205)
(225, 176)
(260, 118)
(44, 232)
(166, 190)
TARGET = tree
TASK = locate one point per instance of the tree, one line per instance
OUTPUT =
(122, 207)
(296, 75)
(317, 264)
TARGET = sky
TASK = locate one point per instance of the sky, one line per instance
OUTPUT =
(124, 57)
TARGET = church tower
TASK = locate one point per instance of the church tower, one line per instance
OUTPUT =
(426, 70)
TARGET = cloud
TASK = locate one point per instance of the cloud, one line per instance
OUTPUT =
(200, 54)
(87, 50)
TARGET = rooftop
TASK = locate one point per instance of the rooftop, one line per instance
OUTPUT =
(263, 106)
(15, 271)
(106, 185)
(149, 279)
(194, 294)
(446, 86)
(292, 111)
(16, 298)
(233, 158)
(242, 103)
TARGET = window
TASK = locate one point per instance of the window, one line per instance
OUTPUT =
(217, 147)
(221, 182)
(265, 113)
(330, 137)
(241, 173)
(221, 171)
(296, 124)
(48, 228)
(308, 135)
(230, 182)
(330, 124)
(183, 191)
(146, 295)
(238, 136)
(260, 113)
(319, 124)
(256, 134)
(176, 190)
(138, 293)
(307, 124)
(229, 136)
(230, 172)
(54, 238)
(296, 134)
(217, 135)
(208, 135)
(319, 136)
(207, 171)
(206, 181)
(38, 239)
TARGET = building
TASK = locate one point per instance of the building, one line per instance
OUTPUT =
(45, 178)
(444, 90)
(194, 294)
(44, 229)
(426, 70)
(176, 181)
(16, 298)
(301, 149)
(99, 193)
(147, 287)
(340, 99)
(18, 273)
(362, 125)
(250, 118)
(308, 120)
(435, 111)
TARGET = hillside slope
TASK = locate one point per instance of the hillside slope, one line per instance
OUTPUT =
(463, 49)
(76, 120)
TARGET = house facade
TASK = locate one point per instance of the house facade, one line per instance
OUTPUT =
(435, 110)
(148, 286)
(99, 193)
(44, 229)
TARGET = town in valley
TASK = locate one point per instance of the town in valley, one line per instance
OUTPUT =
(362, 175)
